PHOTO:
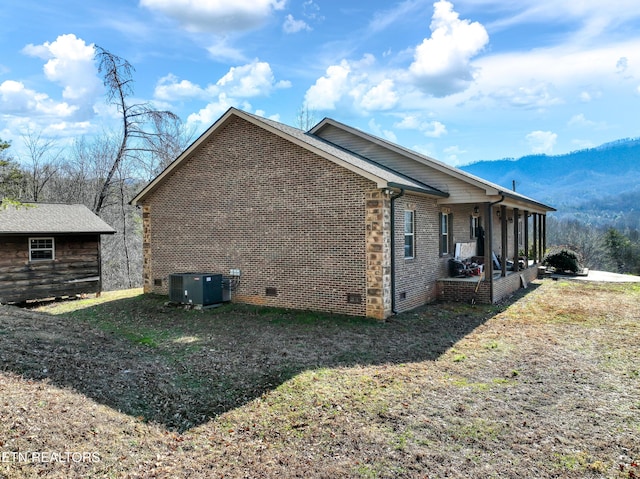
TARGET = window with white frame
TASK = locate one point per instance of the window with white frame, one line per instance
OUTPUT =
(445, 236)
(41, 249)
(474, 228)
(409, 234)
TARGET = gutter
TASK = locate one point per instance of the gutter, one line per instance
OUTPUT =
(393, 252)
(430, 191)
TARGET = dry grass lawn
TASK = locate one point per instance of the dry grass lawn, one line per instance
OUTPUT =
(123, 386)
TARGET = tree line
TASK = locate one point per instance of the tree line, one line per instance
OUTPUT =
(599, 247)
(103, 172)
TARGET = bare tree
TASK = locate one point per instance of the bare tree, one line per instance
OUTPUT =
(306, 117)
(43, 155)
(117, 75)
(12, 178)
(585, 239)
(171, 137)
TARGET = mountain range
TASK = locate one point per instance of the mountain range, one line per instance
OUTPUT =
(598, 185)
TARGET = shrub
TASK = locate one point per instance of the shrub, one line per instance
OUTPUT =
(564, 260)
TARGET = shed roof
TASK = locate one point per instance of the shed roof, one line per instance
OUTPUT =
(50, 218)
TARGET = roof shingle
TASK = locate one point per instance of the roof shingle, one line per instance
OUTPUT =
(49, 218)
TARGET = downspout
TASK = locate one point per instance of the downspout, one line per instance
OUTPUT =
(489, 253)
(393, 252)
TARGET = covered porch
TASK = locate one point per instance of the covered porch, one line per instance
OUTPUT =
(510, 241)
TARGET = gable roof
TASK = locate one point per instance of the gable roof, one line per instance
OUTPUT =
(381, 175)
(489, 187)
(49, 218)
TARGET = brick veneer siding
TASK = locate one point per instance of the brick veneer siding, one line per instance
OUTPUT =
(416, 278)
(455, 290)
(506, 286)
(287, 218)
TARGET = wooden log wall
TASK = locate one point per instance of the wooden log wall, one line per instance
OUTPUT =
(75, 269)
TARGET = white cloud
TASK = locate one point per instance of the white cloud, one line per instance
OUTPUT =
(547, 77)
(532, 96)
(452, 155)
(380, 97)
(622, 64)
(355, 83)
(442, 63)
(441, 67)
(542, 141)
(329, 89)
(216, 16)
(210, 113)
(171, 88)
(245, 81)
(312, 11)
(220, 50)
(70, 64)
(232, 89)
(291, 25)
(252, 79)
(429, 128)
(587, 96)
(16, 99)
(580, 121)
(593, 18)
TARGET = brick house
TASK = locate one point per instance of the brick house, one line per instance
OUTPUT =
(333, 219)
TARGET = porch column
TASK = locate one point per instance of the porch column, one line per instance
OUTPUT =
(525, 222)
(503, 235)
(488, 243)
(540, 234)
(516, 231)
(544, 235)
(534, 218)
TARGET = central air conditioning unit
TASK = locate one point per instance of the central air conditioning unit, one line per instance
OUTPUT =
(200, 289)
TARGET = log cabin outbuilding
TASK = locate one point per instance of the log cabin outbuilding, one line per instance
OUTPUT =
(49, 250)
(334, 219)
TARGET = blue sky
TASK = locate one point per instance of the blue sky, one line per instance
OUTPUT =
(460, 80)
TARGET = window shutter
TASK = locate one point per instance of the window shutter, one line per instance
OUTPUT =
(440, 249)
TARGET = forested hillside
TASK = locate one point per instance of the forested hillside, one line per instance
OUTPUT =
(597, 195)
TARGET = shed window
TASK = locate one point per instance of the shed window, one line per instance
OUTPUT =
(409, 234)
(41, 249)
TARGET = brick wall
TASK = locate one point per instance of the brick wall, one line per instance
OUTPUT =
(291, 221)
(415, 278)
(455, 290)
(503, 287)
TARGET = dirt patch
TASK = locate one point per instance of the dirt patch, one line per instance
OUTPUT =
(546, 386)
